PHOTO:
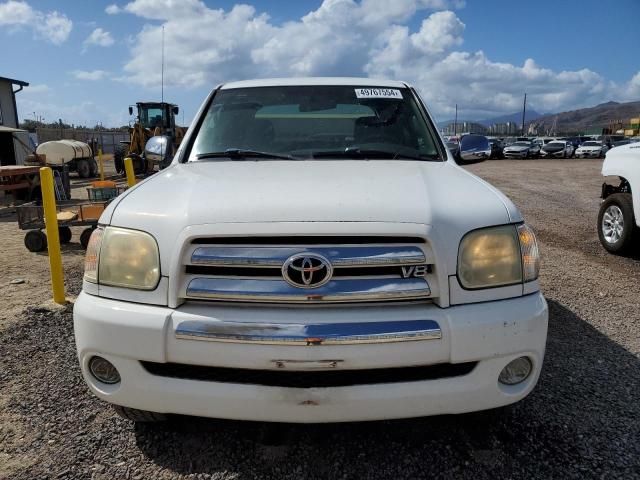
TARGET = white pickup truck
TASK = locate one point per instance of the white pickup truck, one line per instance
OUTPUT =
(619, 216)
(313, 254)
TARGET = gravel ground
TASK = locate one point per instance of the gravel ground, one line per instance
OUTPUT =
(582, 421)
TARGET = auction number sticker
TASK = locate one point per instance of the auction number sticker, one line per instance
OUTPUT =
(378, 93)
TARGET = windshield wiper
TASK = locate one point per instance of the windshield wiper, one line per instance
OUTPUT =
(355, 152)
(238, 153)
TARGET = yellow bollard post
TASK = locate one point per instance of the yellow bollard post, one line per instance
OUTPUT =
(100, 164)
(53, 237)
(128, 168)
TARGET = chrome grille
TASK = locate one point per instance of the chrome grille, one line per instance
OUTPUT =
(346, 256)
(246, 272)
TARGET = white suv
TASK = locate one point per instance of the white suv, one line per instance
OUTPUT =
(313, 254)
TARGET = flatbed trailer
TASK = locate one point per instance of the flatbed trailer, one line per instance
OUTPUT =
(71, 213)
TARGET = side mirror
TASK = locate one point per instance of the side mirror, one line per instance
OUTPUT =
(130, 110)
(175, 110)
(155, 149)
(474, 148)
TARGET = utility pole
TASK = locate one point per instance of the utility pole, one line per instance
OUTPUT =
(162, 70)
(455, 123)
(524, 109)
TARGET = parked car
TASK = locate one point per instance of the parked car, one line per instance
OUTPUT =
(619, 216)
(575, 142)
(619, 143)
(321, 258)
(454, 148)
(557, 148)
(591, 149)
(496, 148)
(542, 141)
(521, 149)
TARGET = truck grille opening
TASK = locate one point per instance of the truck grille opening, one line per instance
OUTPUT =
(339, 269)
(308, 379)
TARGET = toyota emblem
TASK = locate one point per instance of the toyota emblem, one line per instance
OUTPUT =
(307, 270)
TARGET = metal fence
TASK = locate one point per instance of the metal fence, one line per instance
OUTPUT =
(106, 140)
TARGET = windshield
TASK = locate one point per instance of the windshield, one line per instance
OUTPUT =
(590, 144)
(555, 144)
(522, 144)
(151, 117)
(302, 122)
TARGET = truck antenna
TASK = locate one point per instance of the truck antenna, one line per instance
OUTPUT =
(162, 69)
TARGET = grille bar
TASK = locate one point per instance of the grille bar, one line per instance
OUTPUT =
(306, 240)
(339, 256)
(295, 334)
(270, 290)
(308, 379)
(276, 272)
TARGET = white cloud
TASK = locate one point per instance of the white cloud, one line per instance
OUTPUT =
(205, 46)
(439, 32)
(113, 9)
(15, 13)
(91, 75)
(631, 90)
(36, 89)
(52, 26)
(99, 37)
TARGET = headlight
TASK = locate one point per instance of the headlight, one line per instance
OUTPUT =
(498, 256)
(530, 253)
(92, 255)
(124, 258)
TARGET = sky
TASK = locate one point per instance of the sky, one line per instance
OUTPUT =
(88, 60)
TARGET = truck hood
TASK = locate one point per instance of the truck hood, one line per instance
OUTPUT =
(440, 194)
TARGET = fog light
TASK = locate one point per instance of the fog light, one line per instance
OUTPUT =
(516, 371)
(103, 370)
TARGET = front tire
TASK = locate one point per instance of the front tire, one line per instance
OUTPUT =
(139, 164)
(136, 415)
(616, 223)
(84, 168)
(118, 158)
(93, 167)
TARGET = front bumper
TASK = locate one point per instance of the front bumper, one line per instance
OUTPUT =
(589, 154)
(553, 154)
(517, 154)
(491, 334)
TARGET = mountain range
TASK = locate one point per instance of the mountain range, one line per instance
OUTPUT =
(580, 120)
(515, 117)
(592, 118)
